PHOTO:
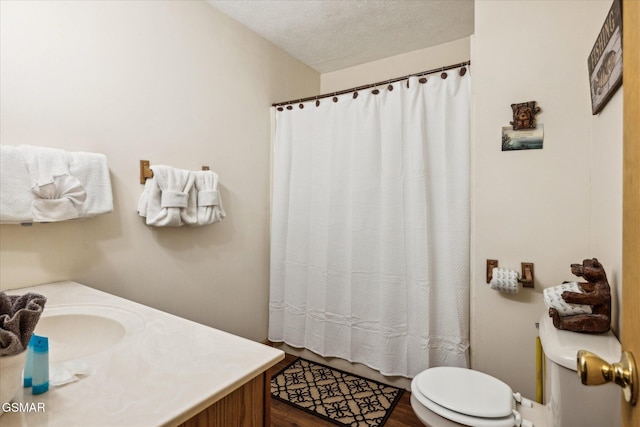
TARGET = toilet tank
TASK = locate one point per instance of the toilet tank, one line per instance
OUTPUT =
(568, 402)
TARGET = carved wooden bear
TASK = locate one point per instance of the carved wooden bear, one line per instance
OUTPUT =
(597, 294)
(524, 115)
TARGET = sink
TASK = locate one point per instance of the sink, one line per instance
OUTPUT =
(82, 330)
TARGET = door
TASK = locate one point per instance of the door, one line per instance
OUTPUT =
(631, 193)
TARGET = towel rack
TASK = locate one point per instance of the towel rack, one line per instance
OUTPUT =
(146, 172)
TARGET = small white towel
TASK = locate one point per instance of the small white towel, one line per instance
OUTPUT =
(169, 198)
(58, 195)
(553, 299)
(505, 280)
(92, 170)
(209, 202)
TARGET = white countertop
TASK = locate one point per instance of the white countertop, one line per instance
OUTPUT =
(165, 371)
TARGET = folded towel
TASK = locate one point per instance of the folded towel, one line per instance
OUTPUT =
(92, 170)
(553, 299)
(209, 203)
(169, 198)
(44, 164)
(15, 188)
(46, 185)
(58, 195)
(18, 318)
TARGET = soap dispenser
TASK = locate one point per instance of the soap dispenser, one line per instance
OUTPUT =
(40, 368)
(28, 365)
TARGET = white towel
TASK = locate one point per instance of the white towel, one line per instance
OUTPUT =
(553, 299)
(15, 188)
(169, 198)
(209, 203)
(58, 195)
(92, 170)
(46, 185)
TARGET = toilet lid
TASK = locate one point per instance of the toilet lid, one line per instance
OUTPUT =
(508, 421)
(469, 392)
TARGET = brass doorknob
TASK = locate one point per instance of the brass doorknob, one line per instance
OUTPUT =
(593, 370)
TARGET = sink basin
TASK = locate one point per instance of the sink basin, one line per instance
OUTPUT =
(81, 330)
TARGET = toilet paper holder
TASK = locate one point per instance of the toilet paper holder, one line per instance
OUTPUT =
(526, 277)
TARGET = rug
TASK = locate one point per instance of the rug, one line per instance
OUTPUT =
(339, 397)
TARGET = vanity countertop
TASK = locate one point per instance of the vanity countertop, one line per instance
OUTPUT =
(165, 371)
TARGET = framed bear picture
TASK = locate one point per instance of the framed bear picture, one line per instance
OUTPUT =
(605, 60)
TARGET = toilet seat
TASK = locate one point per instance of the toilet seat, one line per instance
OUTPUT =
(465, 396)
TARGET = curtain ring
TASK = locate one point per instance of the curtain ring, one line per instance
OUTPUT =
(301, 105)
(390, 87)
(317, 101)
(335, 98)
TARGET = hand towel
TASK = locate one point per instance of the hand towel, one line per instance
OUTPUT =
(58, 195)
(553, 299)
(15, 188)
(92, 170)
(18, 318)
(170, 198)
(143, 201)
(209, 202)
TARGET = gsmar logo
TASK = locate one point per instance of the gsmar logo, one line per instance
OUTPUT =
(23, 407)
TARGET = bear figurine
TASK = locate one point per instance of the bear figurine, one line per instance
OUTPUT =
(524, 115)
(597, 294)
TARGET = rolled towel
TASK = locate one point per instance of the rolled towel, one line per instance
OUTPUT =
(553, 299)
(505, 280)
(18, 318)
(169, 198)
(58, 201)
(209, 202)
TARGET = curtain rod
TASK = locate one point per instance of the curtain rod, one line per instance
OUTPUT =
(355, 89)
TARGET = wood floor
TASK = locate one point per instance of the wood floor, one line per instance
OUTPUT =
(284, 415)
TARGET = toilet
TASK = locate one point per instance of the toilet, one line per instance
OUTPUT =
(451, 397)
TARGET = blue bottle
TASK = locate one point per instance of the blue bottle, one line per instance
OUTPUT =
(40, 373)
(28, 366)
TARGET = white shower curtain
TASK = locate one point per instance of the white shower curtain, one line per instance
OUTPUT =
(370, 226)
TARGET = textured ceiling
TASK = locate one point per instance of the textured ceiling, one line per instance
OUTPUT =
(329, 35)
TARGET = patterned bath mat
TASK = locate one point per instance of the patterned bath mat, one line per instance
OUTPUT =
(339, 397)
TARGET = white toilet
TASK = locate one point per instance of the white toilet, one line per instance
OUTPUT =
(450, 397)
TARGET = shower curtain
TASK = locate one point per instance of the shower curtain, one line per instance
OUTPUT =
(370, 226)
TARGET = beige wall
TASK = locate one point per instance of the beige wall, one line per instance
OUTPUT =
(553, 206)
(174, 82)
(397, 66)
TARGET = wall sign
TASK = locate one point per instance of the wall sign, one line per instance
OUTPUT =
(605, 60)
